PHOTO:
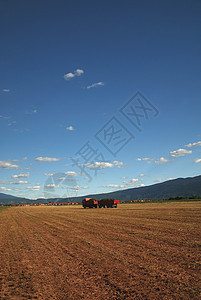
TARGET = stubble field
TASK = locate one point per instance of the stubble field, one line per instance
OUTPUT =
(137, 251)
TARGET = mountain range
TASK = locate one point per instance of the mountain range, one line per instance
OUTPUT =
(185, 187)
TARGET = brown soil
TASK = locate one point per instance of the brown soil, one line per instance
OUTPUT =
(137, 251)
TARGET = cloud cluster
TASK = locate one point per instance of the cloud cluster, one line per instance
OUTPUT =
(194, 144)
(197, 160)
(100, 83)
(173, 154)
(103, 165)
(46, 159)
(71, 75)
(5, 189)
(180, 152)
(7, 165)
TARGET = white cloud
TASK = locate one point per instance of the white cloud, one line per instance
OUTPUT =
(118, 163)
(20, 182)
(197, 160)
(51, 186)
(47, 159)
(146, 159)
(21, 175)
(194, 144)
(131, 182)
(70, 128)
(162, 160)
(100, 83)
(61, 179)
(180, 152)
(103, 165)
(7, 165)
(77, 187)
(5, 189)
(5, 90)
(72, 173)
(99, 165)
(142, 175)
(49, 175)
(71, 75)
(79, 72)
(34, 188)
(113, 185)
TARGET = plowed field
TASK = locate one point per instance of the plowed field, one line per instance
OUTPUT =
(137, 251)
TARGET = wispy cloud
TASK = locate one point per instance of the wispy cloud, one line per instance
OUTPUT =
(77, 187)
(70, 128)
(8, 165)
(3, 117)
(49, 175)
(162, 160)
(158, 180)
(5, 90)
(197, 160)
(47, 159)
(194, 144)
(31, 112)
(71, 75)
(100, 83)
(180, 152)
(21, 175)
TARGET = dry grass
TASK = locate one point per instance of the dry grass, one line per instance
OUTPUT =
(138, 251)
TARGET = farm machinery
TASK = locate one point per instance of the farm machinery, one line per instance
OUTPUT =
(93, 203)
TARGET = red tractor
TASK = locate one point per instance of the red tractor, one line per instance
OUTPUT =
(90, 203)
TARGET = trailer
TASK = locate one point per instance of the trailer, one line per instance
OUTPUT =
(109, 203)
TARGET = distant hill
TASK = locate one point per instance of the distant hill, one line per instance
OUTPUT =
(9, 199)
(172, 188)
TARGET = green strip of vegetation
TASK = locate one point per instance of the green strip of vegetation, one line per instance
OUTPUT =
(3, 207)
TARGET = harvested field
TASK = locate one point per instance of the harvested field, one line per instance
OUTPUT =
(137, 251)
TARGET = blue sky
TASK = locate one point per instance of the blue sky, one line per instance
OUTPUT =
(68, 69)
